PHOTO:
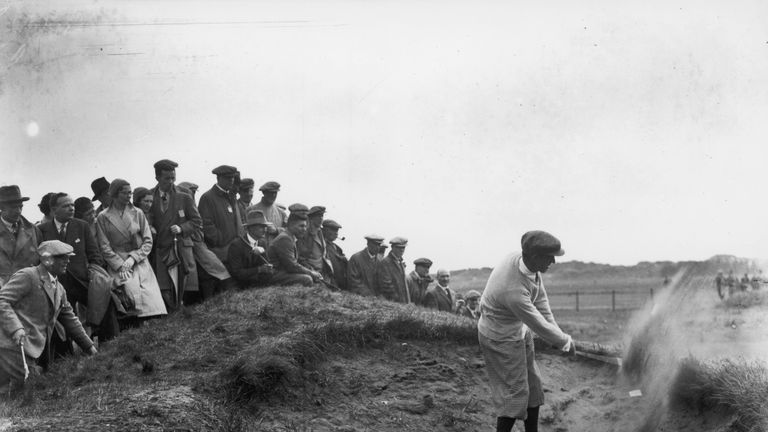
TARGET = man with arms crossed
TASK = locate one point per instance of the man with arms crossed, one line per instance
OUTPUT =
(513, 305)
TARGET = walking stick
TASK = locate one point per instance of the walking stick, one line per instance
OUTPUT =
(24, 360)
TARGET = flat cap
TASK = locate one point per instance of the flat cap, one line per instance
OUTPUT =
(189, 185)
(374, 238)
(225, 170)
(426, 262)
(165, 165)
(541, 243)
(315, 210)
(398, 242)
(270, 186)
(383, 246)
(54, 248)
(472, 294)
(298, 208)
(331, 224)
(246, 183)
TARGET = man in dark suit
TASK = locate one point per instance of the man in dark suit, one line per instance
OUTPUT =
(390, 273)
(335, 254)
(440, 296)
(30, 303)
(18, 237)
(284, 255)
(312, 249)
(175, 219)
(222, 221)
(361, 270)
(248, 262)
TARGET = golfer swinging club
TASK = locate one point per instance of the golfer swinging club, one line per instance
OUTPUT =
(514, 304)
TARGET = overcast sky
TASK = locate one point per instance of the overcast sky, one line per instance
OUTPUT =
(631, 130)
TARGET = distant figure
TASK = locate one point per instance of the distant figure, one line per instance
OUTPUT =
(18, 237)
(312, 248)
(390, 273)
(336, 256)
(730, 282)
(284, 255)
(100, 189)
(744, 282)
(513, 306)
(361, 272)
(45, 209)
(720, 284)
(31, 303)
(440, 296)
(755, 282)
(470, 306)
(247, 260)
(419, 280)
(245, 194)
(272, 211)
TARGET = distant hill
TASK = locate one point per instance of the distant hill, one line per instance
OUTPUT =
(586, 276)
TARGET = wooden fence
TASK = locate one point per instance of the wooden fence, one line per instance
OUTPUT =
(592, 300)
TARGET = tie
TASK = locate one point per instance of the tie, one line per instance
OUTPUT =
(164, 199)
(62, 231)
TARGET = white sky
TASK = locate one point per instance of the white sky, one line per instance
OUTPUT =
(631, 130)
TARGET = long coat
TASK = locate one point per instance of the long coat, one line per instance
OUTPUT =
(20, 252)
(33, 301)
(437, 298)
(222, 221)
(361, 273)
(312, 252)
(339, 264)
(127, 234)
(180, 211)
(243, 264)
(417, 287)
(284, 254)
(78, 235)
(390, 280)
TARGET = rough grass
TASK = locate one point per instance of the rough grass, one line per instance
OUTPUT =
(735, 387)
(746, 299)
(217, 362)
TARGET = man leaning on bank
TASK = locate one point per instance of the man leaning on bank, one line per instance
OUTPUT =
(513, 306)
(30, 303)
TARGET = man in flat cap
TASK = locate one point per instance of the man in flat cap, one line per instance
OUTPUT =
(245, 194)
(222, 221)
(100, 189)
(30, 303)
(248, 262)
(312, 249)
(284, 255)
(440, 296)
(190, 187)
(176, 220)
(299, 209)
(271, 210)
(419, 280)
(18, 236)
(361, 271)
(513, 306)
(335, 254)
(470, 306)
(390, 273)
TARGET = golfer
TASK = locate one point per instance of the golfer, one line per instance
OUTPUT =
(513, 305)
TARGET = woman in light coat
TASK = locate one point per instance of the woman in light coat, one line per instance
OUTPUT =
(125, 241)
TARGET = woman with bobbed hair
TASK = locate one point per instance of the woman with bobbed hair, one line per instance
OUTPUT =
(125, 241)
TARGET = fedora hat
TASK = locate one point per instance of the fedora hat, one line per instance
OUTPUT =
(256, 217)
(99, 186)
(10, 194)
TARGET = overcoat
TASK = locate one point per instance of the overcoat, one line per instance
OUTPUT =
(33, 301)
(361, 273)
(20, 252)
(243, 264)
(222, 221)
(86, 250)
(437, 298)
(339, 264)
(417, 287)
(127, 234)
(390, 280)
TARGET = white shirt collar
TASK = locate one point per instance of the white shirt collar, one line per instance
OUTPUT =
(251, 240)
(7, 224)
(53, 278)
(533, 276)
(59, 224)
(221, 188)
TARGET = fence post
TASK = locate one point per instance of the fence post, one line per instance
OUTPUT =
(613, 300)
(577, 300)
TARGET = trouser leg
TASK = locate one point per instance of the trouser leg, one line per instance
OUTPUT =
(532, 421)
(504, 424)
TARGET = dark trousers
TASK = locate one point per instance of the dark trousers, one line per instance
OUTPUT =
(505, 424)
(208, 287)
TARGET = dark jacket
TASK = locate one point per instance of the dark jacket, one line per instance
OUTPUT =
(284, 255)
(417, 287)
(361, 273)
(338, 264)
(436, 298)
(243, 264)
(222, 221)
(390, 280)
(20, 252)
(181, 211)
(78, 235)
(312, 252)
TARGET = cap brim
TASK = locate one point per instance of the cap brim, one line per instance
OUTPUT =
(561, 252)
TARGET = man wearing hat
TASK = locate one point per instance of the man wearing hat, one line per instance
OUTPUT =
(284, 255)
(245, 194)
(175, 219)
(30, 303)
(100, 188)
(312, 249)
(18, 237)
(419, 279)
(390, 273)
(335, 254)
(222, 221)
(440, 296)
(247, 257)
(361, 271)
(189, 186)
(513, 306)
(470, 306)
(271, 210)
